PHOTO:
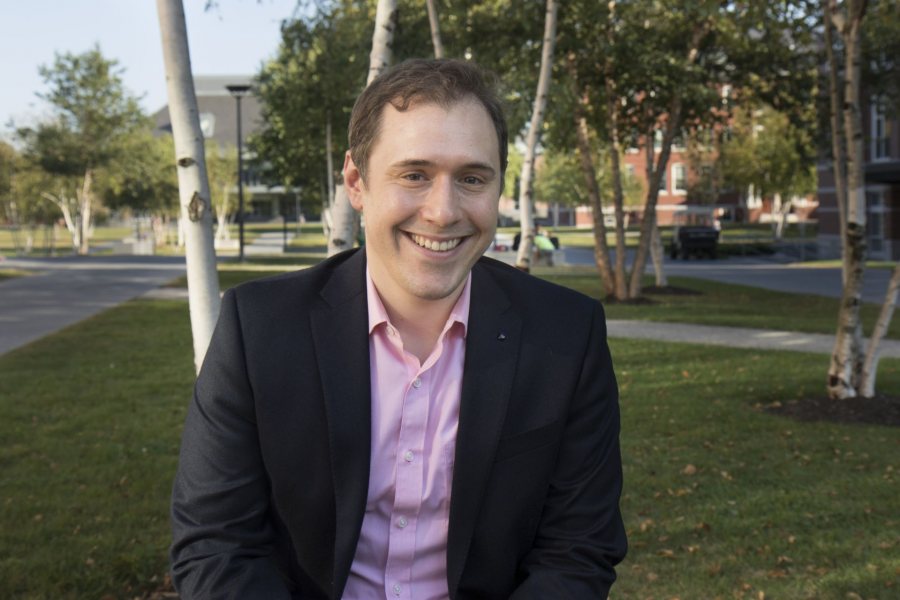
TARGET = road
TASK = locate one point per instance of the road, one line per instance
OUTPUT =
(64, 291)
(767, 273)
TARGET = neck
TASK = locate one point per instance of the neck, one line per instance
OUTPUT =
(420, 322)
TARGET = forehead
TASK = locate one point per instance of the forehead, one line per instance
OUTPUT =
(428, 128)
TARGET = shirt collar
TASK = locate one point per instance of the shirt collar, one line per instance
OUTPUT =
(458, 314)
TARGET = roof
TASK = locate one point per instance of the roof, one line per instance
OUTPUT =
(218, 110)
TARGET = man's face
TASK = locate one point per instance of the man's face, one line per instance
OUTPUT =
(430, 198)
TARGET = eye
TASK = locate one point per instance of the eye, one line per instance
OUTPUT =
(472, 180)
(414, 177)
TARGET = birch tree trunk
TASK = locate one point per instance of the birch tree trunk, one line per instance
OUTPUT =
(343, 219)
(434, 23)
(655, 170)
(846, 361)
(586, 160)
(84, 210)
(62, 202)
(526, 182)
(615, 150)
(870, 364)
(193, 184)
(329, 160)
(340, 236)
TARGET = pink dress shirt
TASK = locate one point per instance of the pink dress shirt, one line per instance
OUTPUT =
(402, 549)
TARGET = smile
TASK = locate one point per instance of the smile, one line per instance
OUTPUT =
(435, 245)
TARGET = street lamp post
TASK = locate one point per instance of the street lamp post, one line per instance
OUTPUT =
(239, 91)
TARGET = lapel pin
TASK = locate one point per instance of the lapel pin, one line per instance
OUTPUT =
(501, 337)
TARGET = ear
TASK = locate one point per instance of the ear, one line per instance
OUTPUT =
(353, 183)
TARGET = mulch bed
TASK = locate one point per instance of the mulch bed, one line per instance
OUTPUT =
(880, 410)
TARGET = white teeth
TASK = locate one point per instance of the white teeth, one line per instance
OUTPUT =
(435, 245)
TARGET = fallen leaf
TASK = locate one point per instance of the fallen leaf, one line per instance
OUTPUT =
(689, 470)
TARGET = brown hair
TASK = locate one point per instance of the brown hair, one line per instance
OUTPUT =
(442, 81)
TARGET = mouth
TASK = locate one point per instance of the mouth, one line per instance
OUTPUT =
(435, 245)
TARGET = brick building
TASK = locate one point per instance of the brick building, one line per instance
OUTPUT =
(881, 168)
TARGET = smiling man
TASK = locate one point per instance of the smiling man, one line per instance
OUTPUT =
(410, 420)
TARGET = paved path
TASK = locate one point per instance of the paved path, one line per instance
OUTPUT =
(734, 337)
(64, 291)
(773, 273)
(268, 242)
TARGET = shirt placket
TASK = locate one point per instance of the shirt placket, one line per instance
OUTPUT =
(409, 481)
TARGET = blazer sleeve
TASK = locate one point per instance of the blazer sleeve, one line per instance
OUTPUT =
(222, 530)
(581, 536)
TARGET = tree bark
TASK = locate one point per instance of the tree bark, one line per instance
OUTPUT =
(382, 38)
(655, 169)
(434, 23)
(526, 182)
(615, 145)
(343, 217)
(329, 160)
(84, 209)
(193, 184)
(71, 226)
(870, 365)
(846, 360)
(586, 160)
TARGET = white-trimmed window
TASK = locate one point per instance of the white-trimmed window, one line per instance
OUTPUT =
(679, 179)
(881, 139)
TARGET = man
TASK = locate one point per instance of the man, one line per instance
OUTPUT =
(410, 420)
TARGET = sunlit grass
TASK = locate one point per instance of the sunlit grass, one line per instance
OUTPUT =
(721, 498)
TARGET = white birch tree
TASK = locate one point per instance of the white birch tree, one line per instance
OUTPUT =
(343, 217)
(846, 357)
(434, 24)
(193, 184)
(526, 181)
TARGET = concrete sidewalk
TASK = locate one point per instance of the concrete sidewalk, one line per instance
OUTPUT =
(63, 291)
(734, 337)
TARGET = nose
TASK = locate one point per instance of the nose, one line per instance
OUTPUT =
(441, 205)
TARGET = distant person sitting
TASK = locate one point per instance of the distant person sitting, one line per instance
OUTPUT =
(543, 248)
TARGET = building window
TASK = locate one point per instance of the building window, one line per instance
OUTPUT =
(663, 185)
(657, 140)
(881, 138)
(679, 179)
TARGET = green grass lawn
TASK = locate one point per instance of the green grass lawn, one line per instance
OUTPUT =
(10, 273)
(721, 498)
(42, 239)
(711, 303)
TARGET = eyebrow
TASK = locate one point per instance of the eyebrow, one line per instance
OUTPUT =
(417, 162)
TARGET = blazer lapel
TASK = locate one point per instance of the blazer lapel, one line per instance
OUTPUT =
(340, 335)
(492, 349)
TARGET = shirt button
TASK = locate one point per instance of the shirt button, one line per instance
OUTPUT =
(401, 523)
(408, 456)
(397, 589)
(417, 383)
